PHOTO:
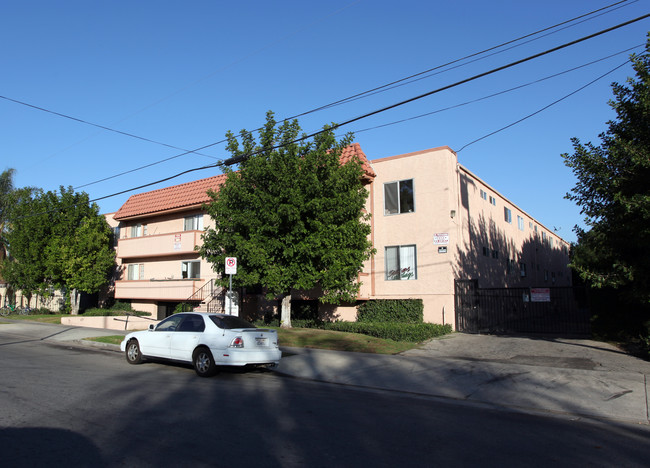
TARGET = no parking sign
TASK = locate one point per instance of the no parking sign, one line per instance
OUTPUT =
(231, 265)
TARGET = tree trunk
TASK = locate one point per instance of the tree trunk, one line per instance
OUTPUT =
(74, 302)
(285, 313)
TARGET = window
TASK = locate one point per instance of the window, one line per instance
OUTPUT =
(486, 251)
(399, 197)
(401, 263)
(522, 269)
(493, 200)
(550, 239)
(193, 223)
(136, 230)
(116, 235)
(135, 271)
(483, 194)
(543, 237)
(520, 223)
(495, 254)
(191, 269)
(507, 214)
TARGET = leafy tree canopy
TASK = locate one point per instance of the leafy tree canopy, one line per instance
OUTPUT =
(6, 189)
(613, 191)
(293, 214)
(57, 240)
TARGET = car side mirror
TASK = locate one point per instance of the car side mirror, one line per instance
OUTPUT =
(152, 327)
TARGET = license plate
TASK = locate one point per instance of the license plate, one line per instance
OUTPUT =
(261, 341)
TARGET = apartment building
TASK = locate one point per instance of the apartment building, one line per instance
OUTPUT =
(433, 222)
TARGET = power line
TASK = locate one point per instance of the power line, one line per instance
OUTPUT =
(455, 106)
(545, 107)
(240, 158)
(381, 88)
(65, 116)
(394, 84)
(490, 72)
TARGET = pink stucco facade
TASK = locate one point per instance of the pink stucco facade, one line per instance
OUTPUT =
(455, 227)
(433, 221)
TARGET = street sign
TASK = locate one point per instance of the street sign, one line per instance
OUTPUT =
(231, 265)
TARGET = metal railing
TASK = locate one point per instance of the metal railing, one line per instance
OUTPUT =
(204, 292)
(126, 322)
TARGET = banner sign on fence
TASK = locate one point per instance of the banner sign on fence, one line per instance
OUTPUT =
(540, 294)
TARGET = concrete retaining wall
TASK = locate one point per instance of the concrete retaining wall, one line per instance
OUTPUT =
(110, 323)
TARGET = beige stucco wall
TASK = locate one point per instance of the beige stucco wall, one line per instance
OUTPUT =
(435, 197)
(161, 252)
(544, 254)
(448, 201)
(110, 323)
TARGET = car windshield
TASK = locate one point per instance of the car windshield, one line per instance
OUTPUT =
(230, 321)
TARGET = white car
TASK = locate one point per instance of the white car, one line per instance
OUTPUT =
(206, 341)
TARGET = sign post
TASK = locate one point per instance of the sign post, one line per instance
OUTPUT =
(231, 269)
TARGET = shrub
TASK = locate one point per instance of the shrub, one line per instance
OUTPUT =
(122, 306)
(391, 310)
(410, 332)
(97, 312)
(183, 307)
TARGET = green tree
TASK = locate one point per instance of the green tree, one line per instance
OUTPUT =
(613, 192)
(6, 189)
(293, 215)
(57, 240)
(26, 235)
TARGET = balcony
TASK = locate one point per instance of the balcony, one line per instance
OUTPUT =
(159, 245)
(161, 290)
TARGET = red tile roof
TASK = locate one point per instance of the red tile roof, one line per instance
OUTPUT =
(193, 194)
(175, 198)
(355, 150)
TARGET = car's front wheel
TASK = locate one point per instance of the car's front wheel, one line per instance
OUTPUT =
(133, 354)
(203, 361)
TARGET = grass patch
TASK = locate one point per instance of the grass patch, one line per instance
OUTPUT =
(292, 337)
(320, 339)
(111, 339)
(339, 341)
(43, 318)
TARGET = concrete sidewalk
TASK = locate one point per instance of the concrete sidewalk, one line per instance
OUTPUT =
(581, 378)
(616, 395)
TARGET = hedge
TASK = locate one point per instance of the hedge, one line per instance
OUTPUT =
(391, 310)
(410, 332)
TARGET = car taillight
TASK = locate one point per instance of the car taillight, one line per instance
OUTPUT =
(237, 342)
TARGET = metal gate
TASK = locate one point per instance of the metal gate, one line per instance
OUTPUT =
(559, 311)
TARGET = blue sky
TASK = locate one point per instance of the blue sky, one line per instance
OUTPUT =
(183, 73)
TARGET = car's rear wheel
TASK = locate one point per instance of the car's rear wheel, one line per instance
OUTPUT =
(133, 354)
(203, 361)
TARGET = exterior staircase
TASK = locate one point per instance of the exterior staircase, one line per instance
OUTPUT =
(209, 298)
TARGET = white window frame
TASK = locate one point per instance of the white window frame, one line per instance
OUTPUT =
(401, 272)
(188, 269)
(507, 214)
(136, 230)
(398, 195)
(135, 271)
(520, 223)
(193, 223)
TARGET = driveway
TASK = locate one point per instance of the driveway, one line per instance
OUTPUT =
(533, 351)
